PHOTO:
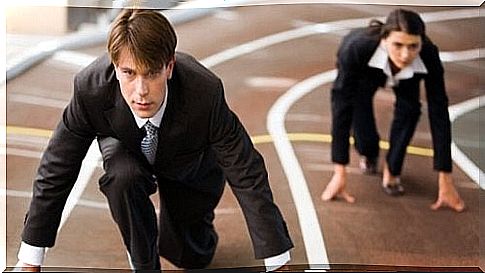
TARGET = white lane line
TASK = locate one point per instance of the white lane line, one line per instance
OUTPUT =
(465, 55)
(80, 202)
(31, 148)
(73, 57)
(307, 216)
(88, 166)
(465, 107)
(101, 205)
(23, 153)
(14, 193)
(37, 100)
(313, 29)
(29, 153)
(270, 82)
(226, 15)
(468, 166)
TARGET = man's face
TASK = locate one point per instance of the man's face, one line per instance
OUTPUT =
(402, 48)
(144, 91)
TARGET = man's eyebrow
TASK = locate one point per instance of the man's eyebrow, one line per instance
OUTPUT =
(154, 70)
(125, 68)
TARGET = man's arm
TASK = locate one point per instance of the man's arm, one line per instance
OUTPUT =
(246, 173)
(58, 170)
(56, 175)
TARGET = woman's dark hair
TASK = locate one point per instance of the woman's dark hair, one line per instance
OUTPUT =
(399, 20)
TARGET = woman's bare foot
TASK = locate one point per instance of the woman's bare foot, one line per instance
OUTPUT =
(336, 187)
(448, 197)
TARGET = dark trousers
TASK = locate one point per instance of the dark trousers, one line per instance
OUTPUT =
(185, 235)
(360, 117)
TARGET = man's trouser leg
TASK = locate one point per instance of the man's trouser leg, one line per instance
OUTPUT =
(127, 184)
(187, 235)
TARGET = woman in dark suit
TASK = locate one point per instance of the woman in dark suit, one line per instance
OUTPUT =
(396, 54)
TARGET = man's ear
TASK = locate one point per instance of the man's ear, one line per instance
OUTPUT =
(116, 72)
(170, 67)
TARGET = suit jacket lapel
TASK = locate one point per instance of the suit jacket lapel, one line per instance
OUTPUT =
(123, 123)
(174, 125)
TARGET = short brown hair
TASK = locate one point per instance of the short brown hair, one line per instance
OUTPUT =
(146, 34)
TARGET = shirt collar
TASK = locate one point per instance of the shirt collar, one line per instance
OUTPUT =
(380, 60)
(157, 118)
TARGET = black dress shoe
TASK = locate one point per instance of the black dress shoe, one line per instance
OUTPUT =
(368, 165)
(394, 189)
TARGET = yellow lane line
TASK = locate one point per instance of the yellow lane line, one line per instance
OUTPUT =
(25, 131)
(261, 139)
(314, 137)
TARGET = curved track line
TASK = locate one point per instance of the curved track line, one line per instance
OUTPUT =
(308, 30)
(307, 216)
(468, 166)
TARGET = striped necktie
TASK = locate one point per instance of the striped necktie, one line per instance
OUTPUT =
(149, 142)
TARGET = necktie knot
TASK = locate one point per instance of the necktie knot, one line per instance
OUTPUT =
(150, 129)
(149, 142)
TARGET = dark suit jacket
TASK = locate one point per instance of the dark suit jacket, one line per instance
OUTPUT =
(355, 75)
(199, 136)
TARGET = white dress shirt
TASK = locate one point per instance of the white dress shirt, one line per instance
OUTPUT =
(380, 60)
(34, 255)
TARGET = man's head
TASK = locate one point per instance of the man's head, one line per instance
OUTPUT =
(402, 35)
(146, 34)
(141, 45)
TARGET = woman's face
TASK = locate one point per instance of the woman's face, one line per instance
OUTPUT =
(402, 48)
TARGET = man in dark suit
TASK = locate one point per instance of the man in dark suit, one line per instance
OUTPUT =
(396, 54)
(162, 123)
